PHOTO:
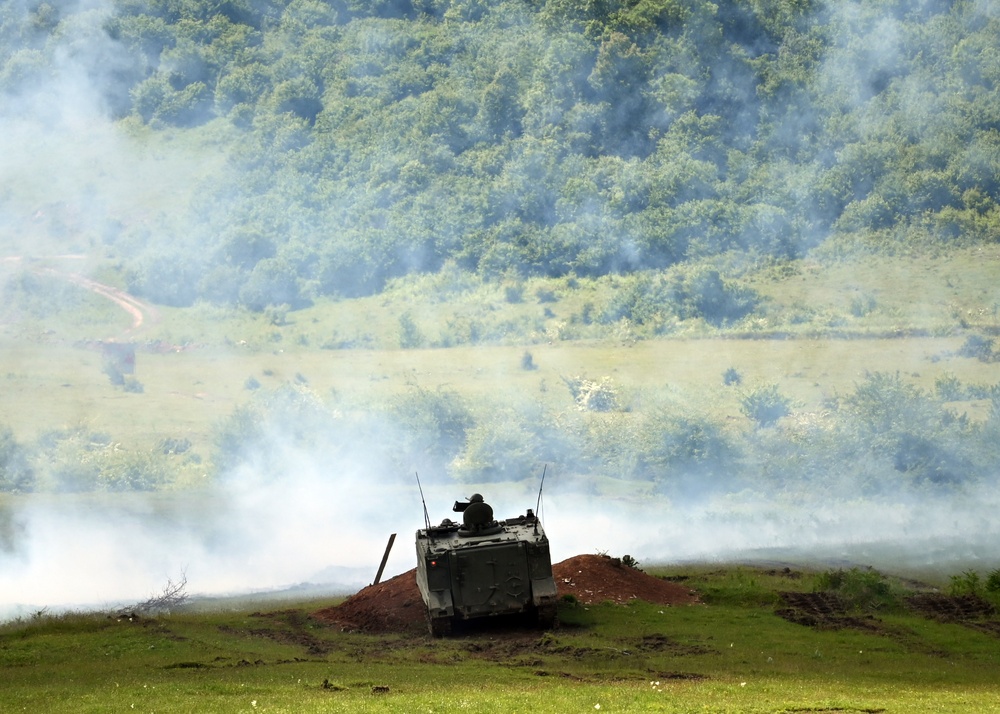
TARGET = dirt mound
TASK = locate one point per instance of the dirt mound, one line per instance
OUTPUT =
(390, 606)
(598, 578)
(395, 605)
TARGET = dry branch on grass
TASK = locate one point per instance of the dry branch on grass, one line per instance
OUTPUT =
(173, 595)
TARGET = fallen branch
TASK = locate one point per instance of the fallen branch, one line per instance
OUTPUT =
(173, 595)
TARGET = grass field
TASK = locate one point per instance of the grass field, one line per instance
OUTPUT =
(732, 653)
(824, 327)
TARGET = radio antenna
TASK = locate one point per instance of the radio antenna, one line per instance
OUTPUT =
(538, 504)
(427, 519)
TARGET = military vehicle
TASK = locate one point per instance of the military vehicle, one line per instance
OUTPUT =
(483, 567)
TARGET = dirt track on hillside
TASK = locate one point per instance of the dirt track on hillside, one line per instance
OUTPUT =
(142, 313)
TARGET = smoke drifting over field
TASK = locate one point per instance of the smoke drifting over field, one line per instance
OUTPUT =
(297, 515)
(328, 528)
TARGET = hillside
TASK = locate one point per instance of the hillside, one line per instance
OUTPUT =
(362, 141)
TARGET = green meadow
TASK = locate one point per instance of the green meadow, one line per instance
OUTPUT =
(733, 652)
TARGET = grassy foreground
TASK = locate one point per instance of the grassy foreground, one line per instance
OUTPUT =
(732, 653)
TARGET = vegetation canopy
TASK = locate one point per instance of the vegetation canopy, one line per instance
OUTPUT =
(370, 140)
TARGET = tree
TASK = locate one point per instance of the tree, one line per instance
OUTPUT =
(273, 281)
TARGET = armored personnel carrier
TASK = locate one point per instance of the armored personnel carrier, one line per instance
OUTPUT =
(483, 567)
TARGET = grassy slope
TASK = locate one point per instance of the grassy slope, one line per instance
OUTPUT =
(51, 379)
(733, 654)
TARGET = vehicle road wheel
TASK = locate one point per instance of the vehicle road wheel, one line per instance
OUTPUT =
(547, 617)
(439, 626)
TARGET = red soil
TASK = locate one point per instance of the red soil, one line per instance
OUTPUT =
(395, 605)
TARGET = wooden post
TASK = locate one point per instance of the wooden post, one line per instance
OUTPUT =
(385, 557)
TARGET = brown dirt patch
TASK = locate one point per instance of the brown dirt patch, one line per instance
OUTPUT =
(598, 578)
(395, 605)
(950, 608)
(967, 610)
(822, 610)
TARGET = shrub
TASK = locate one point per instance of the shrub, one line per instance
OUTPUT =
(501, 448)
(978, 347)
(863, 305)
(642, 301)
(130, 471)
(409, 334)
(513, 293)
(433, 422)
(732, 377)
(273, 281)
(630, 562)
(703, 293)
(967, 583)
(862, 589)
(765, 405)
(545, 295)
(949, 388)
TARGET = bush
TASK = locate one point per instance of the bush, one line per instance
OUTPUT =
(765, 405)
(863, 305)
(861, 589)
(433, 422)
(949, 388)
(545, 295)
(732, 377)
(501, 448)
(16, 473)
(967, 583)
(130, 471)
(409, 334)
(703, 293)
(513, 293)
(273, 281)
(977, 347)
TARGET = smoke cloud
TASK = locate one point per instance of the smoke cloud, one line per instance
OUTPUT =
(325, 526)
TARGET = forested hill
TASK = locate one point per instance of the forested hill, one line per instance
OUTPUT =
(376, 138)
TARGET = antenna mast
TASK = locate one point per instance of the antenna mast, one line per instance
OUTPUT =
(427, 518)
(538, 503)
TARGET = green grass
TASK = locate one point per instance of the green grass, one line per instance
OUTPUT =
(731, 654)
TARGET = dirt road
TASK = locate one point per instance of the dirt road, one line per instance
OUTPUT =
(142, 313)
